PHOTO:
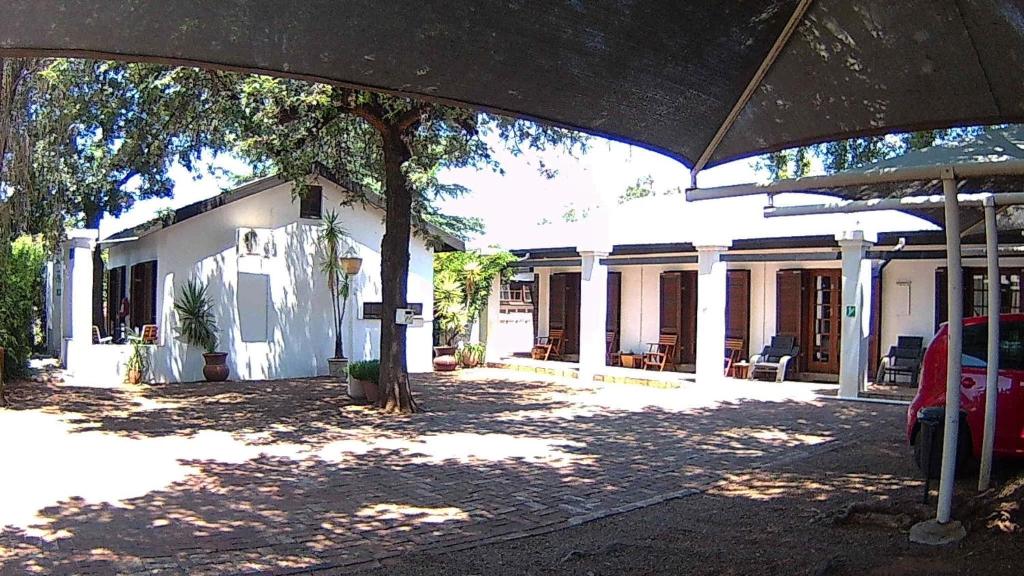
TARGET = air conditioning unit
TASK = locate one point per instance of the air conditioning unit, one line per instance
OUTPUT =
(256, 242)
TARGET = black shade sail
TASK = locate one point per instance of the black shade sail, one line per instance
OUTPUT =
(664, 74)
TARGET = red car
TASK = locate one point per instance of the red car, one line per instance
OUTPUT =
(931, 391)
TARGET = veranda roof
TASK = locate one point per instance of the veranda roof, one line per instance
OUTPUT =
(698, 80)
(990, 162)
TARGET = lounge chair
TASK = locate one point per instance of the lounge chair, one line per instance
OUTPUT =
(775, 358)
(97, 339)
(661, 353)
(903, 359)
(550, 346)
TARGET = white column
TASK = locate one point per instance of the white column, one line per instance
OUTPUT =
(543, 302)
(856, 312)
(711, 296)
(81, 244)
(491, 322)
(593, 314)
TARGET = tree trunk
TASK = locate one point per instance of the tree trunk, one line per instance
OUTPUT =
(92, 220)
(395, 392)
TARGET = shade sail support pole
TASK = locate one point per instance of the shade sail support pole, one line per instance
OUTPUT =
(951, 430)
(992, 368)
(752, 86)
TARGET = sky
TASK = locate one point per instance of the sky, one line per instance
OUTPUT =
(523, 208)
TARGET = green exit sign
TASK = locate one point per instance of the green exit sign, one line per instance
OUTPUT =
(851, 311)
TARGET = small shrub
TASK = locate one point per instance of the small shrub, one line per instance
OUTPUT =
(365, 370)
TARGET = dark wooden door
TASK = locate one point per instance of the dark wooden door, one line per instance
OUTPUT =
(875, 335)
(143, 294)
(564, 309)
(737, 306)
(613, 322)
(679, 312)
(824, 320)
(115, 292)
(789, 307)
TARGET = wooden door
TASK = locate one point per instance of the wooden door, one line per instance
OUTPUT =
(737, 306)
(564, 309)
(824, 320)
(613, 322)
(143, 294)
(115, 292)
(789, 308)
(679, 313)
(875, 335)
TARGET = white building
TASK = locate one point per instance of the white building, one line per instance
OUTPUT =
(256, 248)
(845, 286)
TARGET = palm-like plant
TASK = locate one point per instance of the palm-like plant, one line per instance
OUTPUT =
(331, 239)
(451, 312)
(196, 323)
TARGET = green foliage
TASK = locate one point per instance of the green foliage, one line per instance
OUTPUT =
(365, 370)
(462, 284)
(21, 294)
(853, 153)
(471, 354)
(332, 241)
(138, 360)
(644, 188)
(197, 325)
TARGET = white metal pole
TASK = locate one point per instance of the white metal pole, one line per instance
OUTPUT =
(955, 350)
(992, 370)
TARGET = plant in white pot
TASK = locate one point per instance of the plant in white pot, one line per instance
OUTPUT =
(339, 268)
(197, 326)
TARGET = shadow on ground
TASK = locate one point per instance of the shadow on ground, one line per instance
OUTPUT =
(290, 476)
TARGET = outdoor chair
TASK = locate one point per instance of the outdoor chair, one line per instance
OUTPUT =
(775, 358)
(97, 339)
(612, 355)
(903, 359)
(733, 353)
(550, 346)
(660, 353)
(149, 334)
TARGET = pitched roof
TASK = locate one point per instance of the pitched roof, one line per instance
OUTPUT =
(448, 242)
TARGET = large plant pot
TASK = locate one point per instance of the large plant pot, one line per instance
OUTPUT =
(216, 368)
(370, 389)
(337, 367)
(134, 377)
(445, 363)
(356, 390)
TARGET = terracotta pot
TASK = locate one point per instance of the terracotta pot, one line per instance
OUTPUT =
(371, 389)
(444, 350)
(134, 377)
(470, 360)
(446, 363)
(216, 368)
(537, 353)
(351, 264)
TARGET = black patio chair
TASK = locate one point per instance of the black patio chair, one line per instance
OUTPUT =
(775, 358)
(903, 359)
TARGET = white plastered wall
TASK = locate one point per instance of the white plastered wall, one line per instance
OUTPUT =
(300, 328)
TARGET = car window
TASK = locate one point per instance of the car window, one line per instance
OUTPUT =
(1011, 346)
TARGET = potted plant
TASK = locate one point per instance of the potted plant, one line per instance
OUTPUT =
(471, 355)
(339, 270)
(451, 315)
(198, 327)
(365, 376)
(138, 361)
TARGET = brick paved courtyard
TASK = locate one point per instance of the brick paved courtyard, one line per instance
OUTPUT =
(288, 477)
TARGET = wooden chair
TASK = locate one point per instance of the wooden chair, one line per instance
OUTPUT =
(149, 334)
(612, 355)
(550, 346)
(661, 353)
(734, 348)
(96, 339)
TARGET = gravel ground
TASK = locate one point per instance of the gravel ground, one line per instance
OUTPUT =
(786, 520)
